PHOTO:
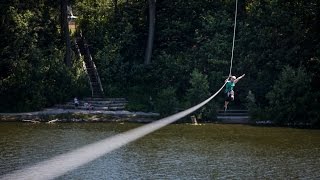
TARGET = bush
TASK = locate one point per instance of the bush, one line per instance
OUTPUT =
(166, 102)
(198, 92)
(255, 110)
(290, 98)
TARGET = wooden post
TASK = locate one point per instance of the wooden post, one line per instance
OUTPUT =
(194, 120)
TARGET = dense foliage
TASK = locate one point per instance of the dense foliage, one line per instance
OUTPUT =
(277, 47)
(32, 73)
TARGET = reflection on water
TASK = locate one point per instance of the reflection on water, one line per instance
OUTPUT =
(178, 151)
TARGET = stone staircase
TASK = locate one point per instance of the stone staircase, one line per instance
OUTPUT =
(233, 116)
(98, 104)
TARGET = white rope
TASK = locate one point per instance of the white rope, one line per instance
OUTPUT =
(234, 36)
(64, 163)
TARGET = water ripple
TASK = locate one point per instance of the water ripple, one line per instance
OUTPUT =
(174, 152)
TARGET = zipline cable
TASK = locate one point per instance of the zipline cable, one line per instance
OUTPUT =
(61, 164)
(234, 36)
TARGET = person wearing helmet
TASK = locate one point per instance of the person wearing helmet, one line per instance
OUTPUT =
(230, 83)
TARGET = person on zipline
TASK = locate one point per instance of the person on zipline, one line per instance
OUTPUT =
(230, 83)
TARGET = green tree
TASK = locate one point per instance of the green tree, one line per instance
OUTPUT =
(198, 92)
(34, 74)
(166, 102)
(290, 98)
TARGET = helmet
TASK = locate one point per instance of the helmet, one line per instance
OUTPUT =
(233, 77)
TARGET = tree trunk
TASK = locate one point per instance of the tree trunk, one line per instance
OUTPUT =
(115, 3)
(65, 31)
(152, 20)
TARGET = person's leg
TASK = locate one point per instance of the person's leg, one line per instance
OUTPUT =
(231, 95)
(226, 102)
(226, 105)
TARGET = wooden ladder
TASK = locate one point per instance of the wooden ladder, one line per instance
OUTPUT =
(89, 66)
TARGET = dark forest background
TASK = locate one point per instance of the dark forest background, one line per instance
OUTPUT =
(277, 47)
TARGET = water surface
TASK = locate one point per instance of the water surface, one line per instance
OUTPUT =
(178, 151)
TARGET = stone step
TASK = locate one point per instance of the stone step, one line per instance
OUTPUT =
(105, 99)
(232, 114)
(109, 105)
(233, 117)
(233, 111)
(107, 102)
(95, 108)
(97, 104)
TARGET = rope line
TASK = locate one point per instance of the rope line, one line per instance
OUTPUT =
(234, 36)
(61, 164)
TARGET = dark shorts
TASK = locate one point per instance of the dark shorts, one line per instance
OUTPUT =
(228, 97)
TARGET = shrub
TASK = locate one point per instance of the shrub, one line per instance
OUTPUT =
(199, 89)
(290, 98)
(166, 102)
(198, 92)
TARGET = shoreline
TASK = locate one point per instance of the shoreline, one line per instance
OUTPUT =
(55, 115)
(77, 115)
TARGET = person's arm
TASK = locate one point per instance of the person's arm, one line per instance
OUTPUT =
(235, 81)
(227, 79)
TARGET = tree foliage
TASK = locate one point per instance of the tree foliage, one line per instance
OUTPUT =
(32, 72)
(271, 36)
(167, 102)
(291, 100)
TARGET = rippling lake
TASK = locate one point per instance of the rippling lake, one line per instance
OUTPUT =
(178, 151)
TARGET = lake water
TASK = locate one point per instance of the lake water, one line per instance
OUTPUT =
(178, 151)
